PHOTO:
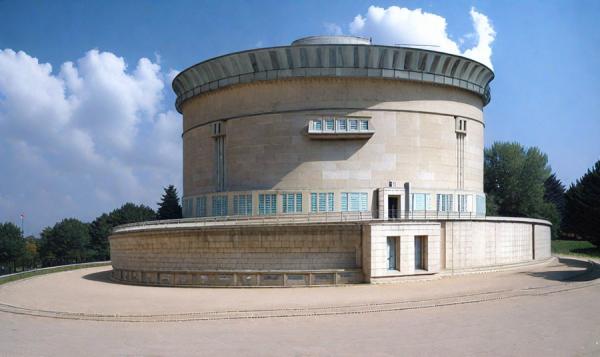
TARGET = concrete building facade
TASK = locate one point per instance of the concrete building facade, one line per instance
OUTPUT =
(298, 143)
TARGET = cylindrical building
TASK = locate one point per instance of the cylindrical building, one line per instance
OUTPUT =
(329, 161)
(336, 117)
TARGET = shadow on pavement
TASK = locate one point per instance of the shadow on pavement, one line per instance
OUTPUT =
(577, 270)
(101, 276)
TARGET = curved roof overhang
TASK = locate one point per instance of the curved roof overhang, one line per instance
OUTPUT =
(333, 60)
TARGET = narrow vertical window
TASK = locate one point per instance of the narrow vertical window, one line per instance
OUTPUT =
(201, 207)
(344, 201)
(313, 202)
(330, 202)
(353, 124)
(364, 125)
(317, 125)
(329, 124)
(342, 125)
(322, 202)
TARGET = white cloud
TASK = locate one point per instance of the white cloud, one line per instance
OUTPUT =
(333, 29)
(397, 25)
(84, 140)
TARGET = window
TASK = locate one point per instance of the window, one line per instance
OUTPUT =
(317, 125)
(444, 202)
(340, 125)
(321, 202)
(461, 125)
(355, 201)
(200, 206)
(480, 205)
(329, 124)
(421, 201)
(267, 203)
(242, 205)
(292, 202)
(463, 205)
(364, 125)
(187, 207)
(219, 206)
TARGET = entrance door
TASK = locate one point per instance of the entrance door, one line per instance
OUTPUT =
(420, 253)
(392, 207)
(391, 244)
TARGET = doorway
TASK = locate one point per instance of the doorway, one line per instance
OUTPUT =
(393, 207)
(421, 253)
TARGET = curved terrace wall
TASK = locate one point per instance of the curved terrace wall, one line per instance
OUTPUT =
(290, 254)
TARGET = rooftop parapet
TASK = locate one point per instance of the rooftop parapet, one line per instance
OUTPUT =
(334, 57)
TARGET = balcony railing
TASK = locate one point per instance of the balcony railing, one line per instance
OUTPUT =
(291, 218)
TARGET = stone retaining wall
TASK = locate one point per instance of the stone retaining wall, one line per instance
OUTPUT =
(317, 254)
(321, 253)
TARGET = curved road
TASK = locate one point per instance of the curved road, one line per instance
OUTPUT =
(549, 309)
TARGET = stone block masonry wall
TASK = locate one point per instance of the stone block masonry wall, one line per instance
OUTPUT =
(542, 242)
(472, 244)
(266, 248)
(376, 265)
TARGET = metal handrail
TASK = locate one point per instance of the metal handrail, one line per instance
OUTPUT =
(298, 218)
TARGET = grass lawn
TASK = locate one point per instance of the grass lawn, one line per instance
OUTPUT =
(30, 273)
(575, 247)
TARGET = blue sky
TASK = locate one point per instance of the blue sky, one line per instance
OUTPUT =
(98, 127)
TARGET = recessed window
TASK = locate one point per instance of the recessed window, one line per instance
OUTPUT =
(317, 125)
(292, 202)
(329, 124)
(321, 202)
(354, 201)
(219, 205)
(200, 206)
(340, 127)
(242, 205)
(364, 125)
(463, 203)
(421, 201)
(267, 203)
(218, 128)
(480, 203)
(461, 125)
(444, 202)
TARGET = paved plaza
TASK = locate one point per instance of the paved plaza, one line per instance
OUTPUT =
(546, 309)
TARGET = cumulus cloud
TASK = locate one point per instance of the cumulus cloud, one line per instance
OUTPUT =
(333, 29)
(398, 25)
(86, 139)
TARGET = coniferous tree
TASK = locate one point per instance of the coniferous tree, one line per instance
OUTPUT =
(582, 206)
(169, 207)
(554, 192)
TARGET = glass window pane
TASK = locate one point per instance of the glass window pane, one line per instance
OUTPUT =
(329, 124)
(364, 125)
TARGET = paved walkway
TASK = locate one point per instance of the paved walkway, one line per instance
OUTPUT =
(550, 309)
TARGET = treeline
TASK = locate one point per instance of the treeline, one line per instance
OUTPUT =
(72, 241)
(519, 183)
